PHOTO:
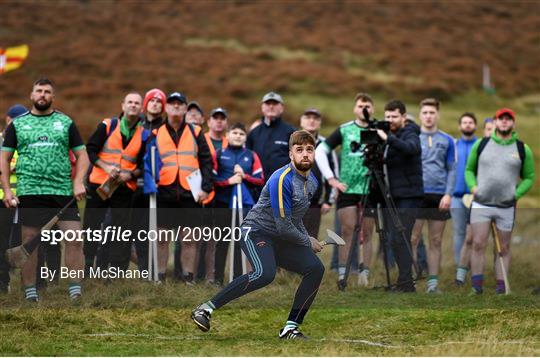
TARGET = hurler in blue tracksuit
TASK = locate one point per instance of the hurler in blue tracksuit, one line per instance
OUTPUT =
(273, 235)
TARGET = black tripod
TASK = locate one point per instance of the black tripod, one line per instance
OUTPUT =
(380, 195)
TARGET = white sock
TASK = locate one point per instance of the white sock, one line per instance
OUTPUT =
(208, 306)
(290, 325)
(341, 272)
(461, 273)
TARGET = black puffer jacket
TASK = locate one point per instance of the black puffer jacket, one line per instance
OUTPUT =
(404, 162)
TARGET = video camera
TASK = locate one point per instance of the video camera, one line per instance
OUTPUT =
(370, 137)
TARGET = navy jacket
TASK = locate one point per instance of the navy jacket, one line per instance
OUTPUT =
(271, 143)
(404, 163)
(226, 159)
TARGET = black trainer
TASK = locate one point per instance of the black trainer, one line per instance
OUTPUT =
(341, 285)
(4, 287)
(162, 277)
(201, 317)
(405, 288)
(291, 333)
(189, 279)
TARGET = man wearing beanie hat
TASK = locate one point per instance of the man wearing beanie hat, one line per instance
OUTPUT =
(494, 169)
(153, 108)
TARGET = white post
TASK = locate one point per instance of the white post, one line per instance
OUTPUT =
(486, 77)
(152, 245)
(240, 220)
(231, 246)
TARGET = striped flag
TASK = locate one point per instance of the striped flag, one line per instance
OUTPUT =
(12, 58)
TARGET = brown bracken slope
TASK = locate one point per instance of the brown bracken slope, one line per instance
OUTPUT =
(228, 53)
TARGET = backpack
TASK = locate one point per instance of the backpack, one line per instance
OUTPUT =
(520, 146)
(114, 123)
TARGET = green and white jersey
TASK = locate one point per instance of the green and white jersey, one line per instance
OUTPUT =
(351, 169)
(43, 143)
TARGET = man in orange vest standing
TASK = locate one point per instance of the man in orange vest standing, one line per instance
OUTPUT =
(195, 116)
(217, 140)
(116, 150)
(217, 130)
(181, 149)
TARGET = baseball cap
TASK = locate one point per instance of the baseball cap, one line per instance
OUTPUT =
(195, 104)
(217, 111)
(314, 111)
(272, 96)
(154, 93)
(488, 120)
(507, 111)
(16, 110)
(177, 96)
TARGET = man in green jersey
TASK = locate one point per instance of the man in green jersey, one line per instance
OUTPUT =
(353, 185)
(43, 137)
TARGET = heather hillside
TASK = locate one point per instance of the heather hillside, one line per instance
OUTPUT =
(229, 52)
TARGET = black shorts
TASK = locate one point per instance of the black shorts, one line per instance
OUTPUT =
(429, 209)
(345, 200)
(37, 210)
(175, 213)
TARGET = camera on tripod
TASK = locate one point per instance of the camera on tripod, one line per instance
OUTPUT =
(371, 145)
(372, 148)
(370, 137)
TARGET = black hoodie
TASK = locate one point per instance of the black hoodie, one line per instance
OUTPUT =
(404, 162)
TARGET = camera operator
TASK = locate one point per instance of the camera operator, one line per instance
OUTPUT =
(403, 161)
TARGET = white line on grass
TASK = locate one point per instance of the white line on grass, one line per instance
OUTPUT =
(361, 341)
(144, 335)
(340, 340)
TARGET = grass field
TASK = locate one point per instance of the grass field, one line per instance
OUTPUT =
(138, 318)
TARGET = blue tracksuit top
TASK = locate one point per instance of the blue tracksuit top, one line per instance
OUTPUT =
(463, 148)
(438, 162)
(225, 160)
(283, 203)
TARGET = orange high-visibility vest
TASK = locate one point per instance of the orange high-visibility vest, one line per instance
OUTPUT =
(224, 144)
(213, 152)
(178, 161)
(114, 154)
